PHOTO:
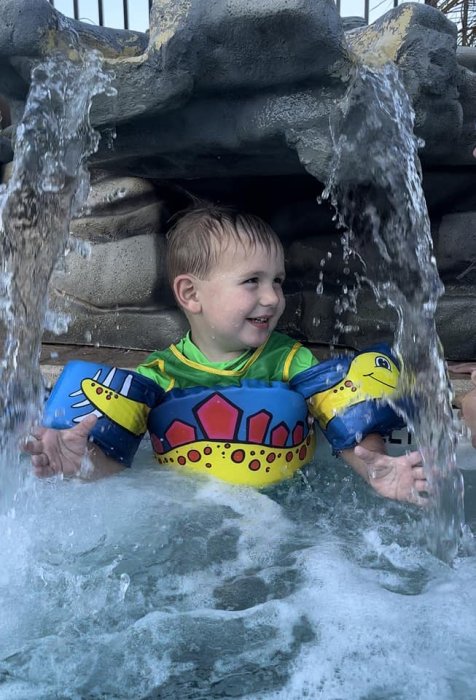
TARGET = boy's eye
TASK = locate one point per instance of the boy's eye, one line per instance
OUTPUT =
(251, 280)
(279, 280)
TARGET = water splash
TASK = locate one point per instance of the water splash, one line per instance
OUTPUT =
(49, 183)
(375, 186)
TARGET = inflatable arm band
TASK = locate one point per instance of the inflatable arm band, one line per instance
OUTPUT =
(121, 399)
(345, 395)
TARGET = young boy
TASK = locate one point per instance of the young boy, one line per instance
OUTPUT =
(227, 272)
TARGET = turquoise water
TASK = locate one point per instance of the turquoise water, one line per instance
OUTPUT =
(151, 584)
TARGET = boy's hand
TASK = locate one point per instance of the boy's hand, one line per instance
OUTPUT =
(59, 451)
(401, 478)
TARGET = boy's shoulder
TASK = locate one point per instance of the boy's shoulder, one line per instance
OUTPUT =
(295, 356)
(164, 353)
(156, 367)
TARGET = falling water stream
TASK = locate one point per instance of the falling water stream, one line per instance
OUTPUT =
(49, 183)
(151, 584)
(376, 190)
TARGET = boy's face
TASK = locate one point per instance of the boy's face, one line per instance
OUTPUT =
(240, 302)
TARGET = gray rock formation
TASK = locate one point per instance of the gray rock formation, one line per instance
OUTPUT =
(112, 282)
(212, 102)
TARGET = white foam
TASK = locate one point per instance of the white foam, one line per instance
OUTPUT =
(150, 580)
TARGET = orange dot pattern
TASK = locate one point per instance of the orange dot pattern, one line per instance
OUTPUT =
(239, 462)
(348, 384)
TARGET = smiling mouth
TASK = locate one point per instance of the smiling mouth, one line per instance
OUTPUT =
(259, 320)
(391, 386)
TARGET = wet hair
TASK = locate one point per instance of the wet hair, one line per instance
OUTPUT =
(201, 234)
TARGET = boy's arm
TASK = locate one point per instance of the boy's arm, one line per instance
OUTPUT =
(401, 478)
(67, 452)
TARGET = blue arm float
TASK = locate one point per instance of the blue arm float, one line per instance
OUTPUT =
(120, 398)
(345, 395)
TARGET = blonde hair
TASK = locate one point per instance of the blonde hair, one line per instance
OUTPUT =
(197, 239)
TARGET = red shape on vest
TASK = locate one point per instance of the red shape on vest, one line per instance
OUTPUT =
(298, 434)
(279, 435)
(257, 427)
(157, 444)
(179, 433)
(218, 418)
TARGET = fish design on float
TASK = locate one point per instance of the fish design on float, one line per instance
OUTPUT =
(370, 375)
(113, 404)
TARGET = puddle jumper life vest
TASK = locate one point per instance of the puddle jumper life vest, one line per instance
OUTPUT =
(256, 433)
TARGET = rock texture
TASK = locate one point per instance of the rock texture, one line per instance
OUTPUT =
(212, 103)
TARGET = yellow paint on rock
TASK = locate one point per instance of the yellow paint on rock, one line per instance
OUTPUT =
(160, 39)
(378, 44)
(54, 39)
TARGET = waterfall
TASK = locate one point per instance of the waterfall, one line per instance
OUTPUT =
(375, 187)
(48, 185)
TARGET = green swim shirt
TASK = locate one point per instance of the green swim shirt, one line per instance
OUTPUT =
(183, 365)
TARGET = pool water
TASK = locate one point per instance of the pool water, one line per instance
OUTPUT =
(151, 584)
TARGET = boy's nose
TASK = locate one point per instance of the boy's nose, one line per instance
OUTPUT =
(269, 296)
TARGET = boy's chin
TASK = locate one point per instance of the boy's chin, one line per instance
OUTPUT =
(254, 343)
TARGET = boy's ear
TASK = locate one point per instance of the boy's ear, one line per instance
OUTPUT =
(185, 290)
